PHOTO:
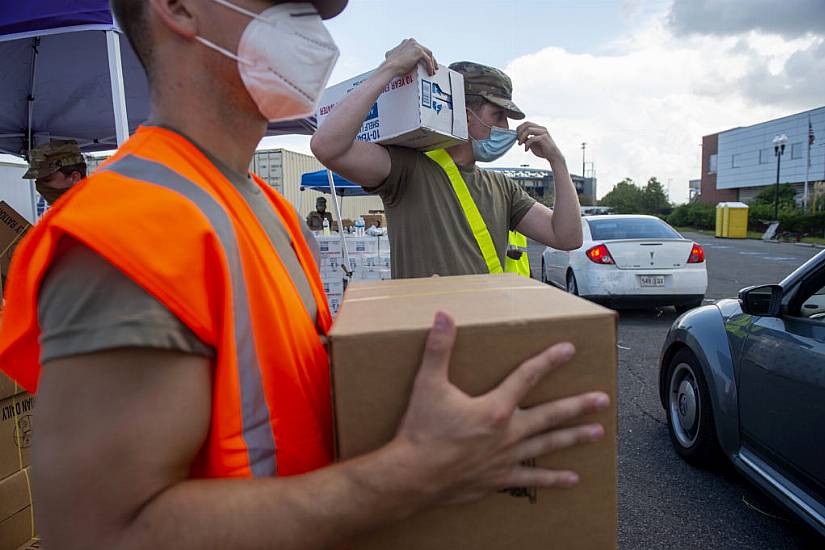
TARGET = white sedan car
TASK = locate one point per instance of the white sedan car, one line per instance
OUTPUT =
(630, 260)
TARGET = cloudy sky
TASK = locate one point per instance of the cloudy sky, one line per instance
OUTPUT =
(641, 81)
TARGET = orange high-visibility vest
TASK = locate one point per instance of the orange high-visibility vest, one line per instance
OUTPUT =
(164, 215)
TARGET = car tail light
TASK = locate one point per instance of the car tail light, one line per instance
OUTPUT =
(600, 255)
(697, 255)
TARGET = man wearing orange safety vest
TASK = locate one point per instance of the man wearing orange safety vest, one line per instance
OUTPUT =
(447, 216)
(170, 316)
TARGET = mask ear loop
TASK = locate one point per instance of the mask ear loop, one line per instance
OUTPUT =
(243, 11)
(224, 51)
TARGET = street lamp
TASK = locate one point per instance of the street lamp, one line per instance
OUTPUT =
(779, 143)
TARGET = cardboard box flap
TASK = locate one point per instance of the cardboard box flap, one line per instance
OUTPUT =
(473, 300)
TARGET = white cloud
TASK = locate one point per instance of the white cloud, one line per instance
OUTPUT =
(644, 104)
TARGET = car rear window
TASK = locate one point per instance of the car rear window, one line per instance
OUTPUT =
(630, 228)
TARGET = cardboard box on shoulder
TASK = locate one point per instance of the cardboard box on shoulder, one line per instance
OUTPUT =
(376, 346)
(16, 514)
(415, 110)
(12, 228)
(15, 433)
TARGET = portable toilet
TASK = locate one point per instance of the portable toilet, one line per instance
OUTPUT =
(732, 220)
(720, 211)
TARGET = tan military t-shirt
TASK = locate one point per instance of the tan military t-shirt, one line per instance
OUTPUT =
(428, 230)
(86, 305)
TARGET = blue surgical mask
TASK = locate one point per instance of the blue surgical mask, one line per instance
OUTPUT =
(495, 146)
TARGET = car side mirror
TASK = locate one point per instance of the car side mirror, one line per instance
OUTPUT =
(764, 300)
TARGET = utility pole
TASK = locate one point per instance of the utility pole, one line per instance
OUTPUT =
(778, 150)
(584, 145)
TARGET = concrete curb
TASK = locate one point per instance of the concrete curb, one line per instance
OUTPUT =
(809, 245)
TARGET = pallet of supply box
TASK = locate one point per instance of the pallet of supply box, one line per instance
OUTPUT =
(332, 275)
(369, 259)
(415, 110)
(16, 511)
(502, 320)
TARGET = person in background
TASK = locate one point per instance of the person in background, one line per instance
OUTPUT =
(55, 168)
(315, 219)
(447, 216)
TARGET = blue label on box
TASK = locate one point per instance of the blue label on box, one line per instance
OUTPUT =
(433, 97)
(426, 93)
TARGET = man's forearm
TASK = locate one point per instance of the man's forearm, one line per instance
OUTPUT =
(336, 135)
(566, 218)
(317, 510)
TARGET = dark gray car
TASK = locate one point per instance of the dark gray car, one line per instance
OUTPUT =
(745, 379)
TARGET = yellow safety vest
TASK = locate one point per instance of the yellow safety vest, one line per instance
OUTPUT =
(522, 265)
(477, 225)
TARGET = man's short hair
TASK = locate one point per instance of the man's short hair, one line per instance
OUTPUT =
(71, 169)
(132, 17)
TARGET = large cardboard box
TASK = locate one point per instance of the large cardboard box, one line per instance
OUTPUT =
(15, 433)
(33, 544)
(8, 387)
(415, 110)
(16, 517)
(376, 347)
(12, 228)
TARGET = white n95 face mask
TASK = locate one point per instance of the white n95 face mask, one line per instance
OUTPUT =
(285, 57)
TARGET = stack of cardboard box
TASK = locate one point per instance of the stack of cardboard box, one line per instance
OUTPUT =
(16, 511)
(369, 258)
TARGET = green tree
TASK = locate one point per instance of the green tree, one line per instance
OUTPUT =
(626, 198)
(786, 196)
(654, 199)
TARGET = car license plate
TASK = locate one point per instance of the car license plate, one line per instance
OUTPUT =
(651, 280)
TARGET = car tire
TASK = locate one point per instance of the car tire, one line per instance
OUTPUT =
(572, 284)
(543, 271)
(689, 412)
(680, 309)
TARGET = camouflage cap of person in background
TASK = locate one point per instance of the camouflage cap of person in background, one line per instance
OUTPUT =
(51, 157)
(489, 83)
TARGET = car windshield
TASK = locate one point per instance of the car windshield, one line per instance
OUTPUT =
(631, 228)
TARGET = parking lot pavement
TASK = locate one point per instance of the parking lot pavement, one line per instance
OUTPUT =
(664, 502)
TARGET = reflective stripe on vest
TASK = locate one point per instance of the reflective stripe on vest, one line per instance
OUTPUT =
(477, 225)
(254, 409)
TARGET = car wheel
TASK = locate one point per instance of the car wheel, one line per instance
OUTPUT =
(689, 413)
(543, 271)
(572, 285)
(687, 307)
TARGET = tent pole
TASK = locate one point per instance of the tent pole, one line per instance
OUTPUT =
(118, 94)
(346, 266)
(29, 137)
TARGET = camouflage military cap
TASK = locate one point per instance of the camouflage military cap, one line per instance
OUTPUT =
(51, 157)
(489, 83)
